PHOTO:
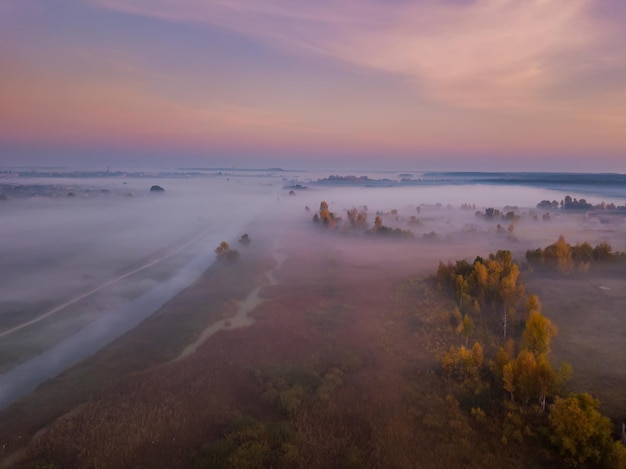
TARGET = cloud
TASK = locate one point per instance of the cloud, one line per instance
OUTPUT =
(493, 54)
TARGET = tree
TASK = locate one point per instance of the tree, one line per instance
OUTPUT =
(463, 363)
(504, 288)
(535, 257)
(466, 327)
(582, 435)
(602, 252)
(245, 239)
(508, 379)
(531, 377)
(224, 251)
(461, 289)
(502, 357)
(479, 280)
(325, 215)
(546, 380)
(582, 254)
(357, 218)
(538, 334)
(559, 254)
(531, 305)
(445, 275)
(524, 369)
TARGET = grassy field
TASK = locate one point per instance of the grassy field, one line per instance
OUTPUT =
(590, 311)
(345, 354)
(341, 368)
(155, 341)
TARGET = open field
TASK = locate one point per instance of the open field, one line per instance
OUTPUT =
(338, 362)
(348, 344)
(590, 312)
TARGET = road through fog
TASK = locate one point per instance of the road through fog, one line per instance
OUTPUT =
(78, 273)
(26, 376)
(102, 286)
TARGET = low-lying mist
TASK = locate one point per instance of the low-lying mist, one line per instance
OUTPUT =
(80, 268)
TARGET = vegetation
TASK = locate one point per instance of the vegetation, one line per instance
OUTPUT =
(245, 239)
(357, 218)
(347, 369)
(491, 286)
(565, 258)
(325, 216)
(381, 229)
(571, 429)
(224, 252)
(582, 435)
(251, 444)
(569, 203)
(491, 213)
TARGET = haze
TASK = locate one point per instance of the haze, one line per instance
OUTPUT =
(89, 267)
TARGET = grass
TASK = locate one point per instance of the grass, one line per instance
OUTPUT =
(157, 340)
(591, 330)
(342, 363)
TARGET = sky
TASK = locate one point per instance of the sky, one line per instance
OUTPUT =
(519, 85)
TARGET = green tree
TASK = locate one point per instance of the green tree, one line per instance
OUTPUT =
(602, 252)
(582, 254)
(535, 256)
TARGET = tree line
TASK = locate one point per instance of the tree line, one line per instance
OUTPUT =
(357, 218)
(572, 203)
(566, 258)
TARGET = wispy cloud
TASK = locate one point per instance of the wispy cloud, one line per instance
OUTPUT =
(494, 54)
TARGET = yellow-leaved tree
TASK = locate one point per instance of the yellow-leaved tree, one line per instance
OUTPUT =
(582, 435)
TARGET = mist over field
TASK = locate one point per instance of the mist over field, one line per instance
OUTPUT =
(86, 260)
(77, 271)
(301, 235)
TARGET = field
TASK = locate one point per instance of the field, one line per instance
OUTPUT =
(340, 367)
(589, 310)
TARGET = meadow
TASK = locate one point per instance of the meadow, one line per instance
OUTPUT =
(342, 362)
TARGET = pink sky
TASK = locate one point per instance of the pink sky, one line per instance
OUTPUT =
(454, 84)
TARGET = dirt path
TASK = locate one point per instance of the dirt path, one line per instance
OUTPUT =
(242, 318)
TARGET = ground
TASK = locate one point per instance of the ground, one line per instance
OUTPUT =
(345, 349)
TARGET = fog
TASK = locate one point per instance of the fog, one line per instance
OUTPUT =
(441, 212)
(78, 270)
(75, 272)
